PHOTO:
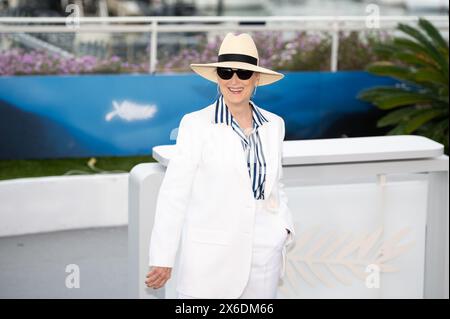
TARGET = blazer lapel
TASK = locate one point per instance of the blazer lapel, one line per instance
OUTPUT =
(270, 148)
(231, 144)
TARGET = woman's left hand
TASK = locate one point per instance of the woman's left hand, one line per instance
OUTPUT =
(158, 276)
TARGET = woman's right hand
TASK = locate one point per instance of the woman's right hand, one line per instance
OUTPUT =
(158, 276)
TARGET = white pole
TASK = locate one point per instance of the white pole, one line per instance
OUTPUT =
(334, 47)
(153, 47)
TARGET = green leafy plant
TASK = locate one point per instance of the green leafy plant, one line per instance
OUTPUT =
(419, 103)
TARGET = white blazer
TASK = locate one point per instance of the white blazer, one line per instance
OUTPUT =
(206, 200)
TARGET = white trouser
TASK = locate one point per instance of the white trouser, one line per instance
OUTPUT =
(268, 240)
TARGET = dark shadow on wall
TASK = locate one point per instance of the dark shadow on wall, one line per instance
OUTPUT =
(340, 125)
(25, 135)
(356, 125)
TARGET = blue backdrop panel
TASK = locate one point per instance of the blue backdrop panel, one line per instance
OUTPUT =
(118, 115)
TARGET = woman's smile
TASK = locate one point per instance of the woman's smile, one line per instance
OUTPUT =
(235, 90)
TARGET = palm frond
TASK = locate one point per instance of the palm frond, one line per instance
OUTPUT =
(375, 92)
(396, 116)
(422, 39)
(385, 68)
(434, 34)
(408, 45)
(420, 118)
(420, 61)
(430, 75)
(390, 101)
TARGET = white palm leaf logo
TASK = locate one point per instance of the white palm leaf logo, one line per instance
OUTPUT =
(130, 111)
(332, 252)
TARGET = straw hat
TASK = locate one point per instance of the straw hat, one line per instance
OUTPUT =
(239, 52)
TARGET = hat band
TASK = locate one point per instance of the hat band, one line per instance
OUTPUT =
(238, 58)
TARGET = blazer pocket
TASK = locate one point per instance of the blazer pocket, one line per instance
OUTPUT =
(208, 236)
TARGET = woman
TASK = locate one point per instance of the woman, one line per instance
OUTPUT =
(221, 193)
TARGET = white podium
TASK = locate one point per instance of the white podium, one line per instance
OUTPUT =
(371, 217)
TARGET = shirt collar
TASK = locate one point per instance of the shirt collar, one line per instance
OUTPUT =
(223, 115)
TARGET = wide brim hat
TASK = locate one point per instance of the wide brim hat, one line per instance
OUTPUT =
(239, 52)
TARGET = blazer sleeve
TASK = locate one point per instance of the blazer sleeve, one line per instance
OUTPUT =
(174, 194)
(285, 212)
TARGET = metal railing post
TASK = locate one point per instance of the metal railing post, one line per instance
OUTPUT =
(334, 47)
(153, 46)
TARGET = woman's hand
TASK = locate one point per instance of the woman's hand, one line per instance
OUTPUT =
(158, 276)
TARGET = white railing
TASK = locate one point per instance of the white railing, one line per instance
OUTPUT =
(155, 25)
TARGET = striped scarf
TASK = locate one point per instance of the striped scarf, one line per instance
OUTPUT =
(251, 144)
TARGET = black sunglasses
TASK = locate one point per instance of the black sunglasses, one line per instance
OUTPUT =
(227, 73)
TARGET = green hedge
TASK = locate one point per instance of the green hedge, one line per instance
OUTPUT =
(10, 169)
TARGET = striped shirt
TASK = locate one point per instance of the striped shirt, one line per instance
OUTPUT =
(251, 144)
